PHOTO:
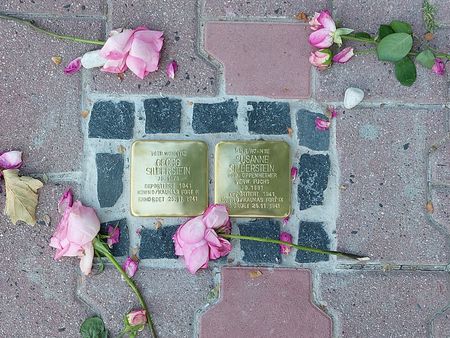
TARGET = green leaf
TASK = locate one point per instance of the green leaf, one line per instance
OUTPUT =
(363, 35)
(426, 58)
(405, 71)
(384, 31)
(401, 27)
(394, 47)
(343, 31)
(93, 328)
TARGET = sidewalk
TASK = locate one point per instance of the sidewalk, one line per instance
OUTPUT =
(243, 74)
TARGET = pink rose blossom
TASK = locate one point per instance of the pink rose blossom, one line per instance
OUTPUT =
(285, 237)
(138, 50)
(75, 232)
(11, 160)
(294, 173)
(324, 30)
(172, 69)
(73, 66)
(344, 55)
(130, 267)
(137, 318)
(322, 124)
(114, 235)
(321, 58)
(197, 241)
(438, 67)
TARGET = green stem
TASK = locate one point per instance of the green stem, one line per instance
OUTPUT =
(299, 247)
(101, 247)
(365, 51)
(351, 37)
(55, 35)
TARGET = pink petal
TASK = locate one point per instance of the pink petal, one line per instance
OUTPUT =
(171, 69)
(66, 200)
(321, 38)
(117, 46)
(285, 237)
(438, 67)
(11, 160)
(216, 216)
(73, 66)
(130, 267)
(192, 231)
(314, 23)
(83, 224)
(197, 258)
(322, 124)
(286, 220)
(294, 173)
(114, 235)
(137, 317)
(87, 258)
(326, 20)
(115, 66)
(344, 55)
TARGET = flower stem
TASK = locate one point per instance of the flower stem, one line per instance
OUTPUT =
(55, 35)
(101, 247)
(365, 51)
(299, 247)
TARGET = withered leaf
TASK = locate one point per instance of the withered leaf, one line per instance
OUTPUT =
(57, 60)
(84, 114)
(21, 196)
(255, 274)
(429, 207)
(302, 16)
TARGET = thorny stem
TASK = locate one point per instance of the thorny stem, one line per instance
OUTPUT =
(299, 247)
(101, 247)
(55, 35)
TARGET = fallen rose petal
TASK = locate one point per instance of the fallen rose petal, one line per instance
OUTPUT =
(172, 69)
(438, 67)
(286, 220)
(114, 235)
(93, 59)
(66, 200)
(322, 124)
(344, 55)
(73, 66)
(285, 237)
(11, 160)
(130, 267)
(294, 173)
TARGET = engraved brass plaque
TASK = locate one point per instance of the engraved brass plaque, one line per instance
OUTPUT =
(253, 178)
(169, 178)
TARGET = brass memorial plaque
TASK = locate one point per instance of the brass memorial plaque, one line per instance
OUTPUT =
(169, 178)
(253, 178)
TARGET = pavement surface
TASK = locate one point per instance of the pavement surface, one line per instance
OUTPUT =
(377, 183)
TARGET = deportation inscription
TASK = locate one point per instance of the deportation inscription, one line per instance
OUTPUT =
(253, 178)
(169, 178)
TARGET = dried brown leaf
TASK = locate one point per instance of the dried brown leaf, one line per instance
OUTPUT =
(301, 16)
(429, 207)
(121, 76)
(84, 114)
(290, 131)
(121, 149)
(428, 36)
(255, 274)
(57, 60)
(21, 196)
(158, 224)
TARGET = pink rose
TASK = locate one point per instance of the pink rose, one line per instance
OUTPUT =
(324, 30)
(130, 267)
(438, 67)
(137, 318)
(344, 55)
(10, 160)
(138, 50)
(76, 230)
(316, 22)
(321, 58)
(197, 241)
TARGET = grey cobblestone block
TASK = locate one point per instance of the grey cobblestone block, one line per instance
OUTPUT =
(256, 252)
(109, 178)
(215, 117)
(122, 248)
(312, 234)
(111, 120)
(157, 243)
(308, 135)
(270, 118)
(162, 115)
(313, 179)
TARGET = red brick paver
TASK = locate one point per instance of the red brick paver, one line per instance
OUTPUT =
(265, 303)
(262, 58)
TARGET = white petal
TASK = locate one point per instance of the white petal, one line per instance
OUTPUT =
(92, 59)
(353, 97)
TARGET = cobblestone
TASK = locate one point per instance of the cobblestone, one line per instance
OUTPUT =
(313, 179)
(157, 243)
(215, 117)
(109, 178)
(112, 120)
(162, 115)
(308, 135)
(270, 118)
(314, 235)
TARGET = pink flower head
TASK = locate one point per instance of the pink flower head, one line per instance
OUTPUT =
(315, 22)
(11, 160)
(197, 241)
(74, 234)
(130, 266)
(294, 173)
(73, 66)
(321, 58)
(172, 69)
(322, 124)
(138, 50)
(137, 318)
(114, 235)
(324, 29)
(344, 55)
(438, 67)
(285, 237)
